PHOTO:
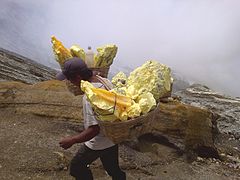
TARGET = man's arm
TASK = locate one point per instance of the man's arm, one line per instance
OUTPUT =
(85, 135)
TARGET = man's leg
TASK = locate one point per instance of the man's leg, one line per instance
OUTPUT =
(79, 164)
(109, 158)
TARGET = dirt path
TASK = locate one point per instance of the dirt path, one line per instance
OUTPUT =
(29, 150)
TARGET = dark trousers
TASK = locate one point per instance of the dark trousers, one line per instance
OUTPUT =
(85, 156)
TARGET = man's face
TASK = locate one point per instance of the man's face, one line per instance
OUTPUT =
(75, 80)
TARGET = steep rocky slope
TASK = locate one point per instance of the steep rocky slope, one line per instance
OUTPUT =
(227, 107)
(14, 67)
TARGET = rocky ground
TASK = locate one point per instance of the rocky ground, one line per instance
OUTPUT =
(29, 150)
(33, 118)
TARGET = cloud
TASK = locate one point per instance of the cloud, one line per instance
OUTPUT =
(199, 39)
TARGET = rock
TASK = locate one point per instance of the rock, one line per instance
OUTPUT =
(62, 161)
(179, 82)
(14, 67)
(228, 108)
(48, 98)
(199, 159)
(195, 126)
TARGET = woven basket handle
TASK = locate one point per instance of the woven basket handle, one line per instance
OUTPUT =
(108, 85)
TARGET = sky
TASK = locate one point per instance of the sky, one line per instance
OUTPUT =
(199, 39)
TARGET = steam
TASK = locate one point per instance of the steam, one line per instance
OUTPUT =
(198, 39)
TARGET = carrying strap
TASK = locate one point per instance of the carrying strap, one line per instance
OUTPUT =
(107, 83)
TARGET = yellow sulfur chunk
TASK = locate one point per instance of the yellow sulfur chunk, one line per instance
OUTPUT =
(107, 117)
(120, 90)
(77, 51)
(146, 102)
(105, 56)
(152, 77)
(61, 53)
(123, 116)
(119, 80)
(132, 91)
(134, 110)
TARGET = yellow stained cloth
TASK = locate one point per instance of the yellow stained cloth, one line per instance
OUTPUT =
(107, 105)
(120, 100)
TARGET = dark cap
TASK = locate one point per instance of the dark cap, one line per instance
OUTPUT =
(76, 66)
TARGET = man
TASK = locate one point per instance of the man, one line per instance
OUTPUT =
(96, 145)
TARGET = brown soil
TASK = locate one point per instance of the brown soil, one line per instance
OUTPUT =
(30, 150)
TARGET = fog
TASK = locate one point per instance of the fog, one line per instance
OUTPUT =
(198, 39)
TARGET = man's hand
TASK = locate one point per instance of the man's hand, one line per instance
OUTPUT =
(67, 142)
(84, 136)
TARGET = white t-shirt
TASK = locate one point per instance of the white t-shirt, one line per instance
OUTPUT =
(100, 141)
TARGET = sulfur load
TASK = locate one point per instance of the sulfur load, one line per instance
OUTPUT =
(104, 57)
(143, 87)
(61, 53)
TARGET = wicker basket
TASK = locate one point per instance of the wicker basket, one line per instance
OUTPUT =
(119, 131)
(103, 71)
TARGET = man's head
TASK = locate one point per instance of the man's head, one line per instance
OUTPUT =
(76, 70)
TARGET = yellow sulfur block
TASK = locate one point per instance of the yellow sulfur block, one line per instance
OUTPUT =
(61, 53)
(105, 55)
(77, 51)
